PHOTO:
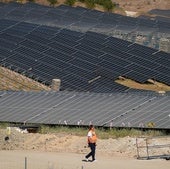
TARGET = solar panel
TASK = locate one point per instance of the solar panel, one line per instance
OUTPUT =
(160, 12)
(11, 38)
(33, 45)
(76, 108)
(64, 40)
(7, 45)
(97, 54)
(62, 48)
(109, 60)
(37, 11)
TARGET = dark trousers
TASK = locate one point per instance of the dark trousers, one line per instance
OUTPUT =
(93, 150)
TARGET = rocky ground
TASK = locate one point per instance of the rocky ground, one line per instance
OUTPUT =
(137, 6)
(143, 6)
(59, 142)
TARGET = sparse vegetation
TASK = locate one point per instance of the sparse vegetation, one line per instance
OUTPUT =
(70, 2)
(151, 125)
(4, 125)
(101, 132)
(90, 4)
(63, 129)
(108, 5)
(52, 2)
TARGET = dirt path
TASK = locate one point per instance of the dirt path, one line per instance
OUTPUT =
(52, 160)
(66, 151)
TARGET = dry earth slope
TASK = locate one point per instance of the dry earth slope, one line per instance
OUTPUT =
(64, 142)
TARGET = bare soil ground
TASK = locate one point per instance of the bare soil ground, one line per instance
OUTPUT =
(54, 160)
(64, 142)
(11, 80)
(67, 151)
(151, 85)
(143, 6)
(137, 6)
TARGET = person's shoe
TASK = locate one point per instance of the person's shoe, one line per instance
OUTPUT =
(94, 160)
(87, 159)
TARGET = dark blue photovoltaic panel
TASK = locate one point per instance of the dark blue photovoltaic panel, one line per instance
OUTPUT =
(53, 53)
(89, 50)
(160, 12)
(83, 54)
(76, 45)
(59, 38)
(29, 52)
(11, 38)
(7, 45)
(62, 48)
(142, 78)
(50, 45)
(90, 19)
(114, 58)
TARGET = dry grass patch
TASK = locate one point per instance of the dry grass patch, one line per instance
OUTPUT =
(151, 85)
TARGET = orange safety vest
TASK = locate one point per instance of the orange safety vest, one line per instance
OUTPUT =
(92, 139)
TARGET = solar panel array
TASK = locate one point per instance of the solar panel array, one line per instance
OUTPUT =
(82, 19)
(83, 61)
(159, 12)
(71, 108)
(75, 17)
(47, 46)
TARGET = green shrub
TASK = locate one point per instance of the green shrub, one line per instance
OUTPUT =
(31, 0)
(90, 4)
(70, 2)
(82, 1)
(52, 2)
(108, 6)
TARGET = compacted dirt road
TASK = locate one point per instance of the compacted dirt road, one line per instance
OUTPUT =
(53, 160)
(67, 151)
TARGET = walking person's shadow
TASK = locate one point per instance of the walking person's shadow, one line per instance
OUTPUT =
(87, 161)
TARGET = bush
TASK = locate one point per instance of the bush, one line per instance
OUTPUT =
(82, 1)
(31, 0)
(52, 2)
(70, 2)
(108, 6)
(101, 132)
(90, 4)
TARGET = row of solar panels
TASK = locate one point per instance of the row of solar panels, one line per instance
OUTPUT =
(78, 18)
(71, 108)
(159, 12)
(83, 61)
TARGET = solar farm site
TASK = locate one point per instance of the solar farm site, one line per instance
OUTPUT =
(80, 47)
